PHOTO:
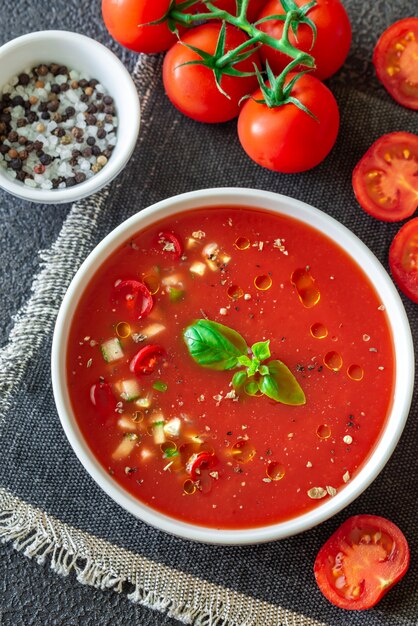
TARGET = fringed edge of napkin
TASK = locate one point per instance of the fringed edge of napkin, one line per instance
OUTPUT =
(101, 564)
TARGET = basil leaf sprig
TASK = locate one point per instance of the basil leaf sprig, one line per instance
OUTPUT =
(219, 347)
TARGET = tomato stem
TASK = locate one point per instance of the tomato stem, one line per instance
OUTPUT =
(294, 15)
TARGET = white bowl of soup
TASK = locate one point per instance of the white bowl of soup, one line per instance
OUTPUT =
(225, 369)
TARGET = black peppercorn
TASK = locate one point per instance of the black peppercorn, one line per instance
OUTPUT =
(15, 164)
(23, 79)
(80, 177)
(12, 136)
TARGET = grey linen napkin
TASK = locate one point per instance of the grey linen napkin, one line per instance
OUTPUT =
(49, 506)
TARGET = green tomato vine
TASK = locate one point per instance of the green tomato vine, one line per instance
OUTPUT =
(274, 89)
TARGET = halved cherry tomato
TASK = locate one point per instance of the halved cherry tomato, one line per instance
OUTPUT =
(145, 361)
(361, 561)
(332, 42)
(169, 242)
(101, 395)
(197, 461)
(385, 180)
(395, 60)
(135, 296)
(128, 21)
(403, 259)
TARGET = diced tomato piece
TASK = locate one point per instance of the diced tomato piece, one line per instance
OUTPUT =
(135, 296)
(169, 242)
(361, 561)
(101, 395)
(145, 361)
(197, 461)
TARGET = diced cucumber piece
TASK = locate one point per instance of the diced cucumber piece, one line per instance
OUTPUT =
(145, 401)
(176, 295)
(129, 390)
(158, 432)
(172, 428)
(111, 350)
(124, 449)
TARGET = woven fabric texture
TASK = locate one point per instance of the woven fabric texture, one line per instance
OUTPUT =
(62, 516)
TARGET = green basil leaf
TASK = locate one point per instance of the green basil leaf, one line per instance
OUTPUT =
(253, 367)
(244, 360)
(281, 385)
(214, 345)
(261, 350)
(239, 379)
(269, 387)
(264, 370)
(251, 388)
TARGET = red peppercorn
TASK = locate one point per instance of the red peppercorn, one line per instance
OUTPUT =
(39, 169)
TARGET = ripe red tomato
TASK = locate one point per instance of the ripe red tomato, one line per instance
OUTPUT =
(385, 180)
(332, 42)
(192, 88)
(123, 19)
(395, 60)
(361, 561)
(403, 259)
(254, 7)
(285, 138)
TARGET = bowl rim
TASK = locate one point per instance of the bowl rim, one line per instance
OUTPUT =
(401, 337)
(115, 164)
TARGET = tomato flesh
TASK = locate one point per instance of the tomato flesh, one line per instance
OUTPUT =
(332, 42)
(361, 561)
(169, 242)
(198, 461)
(145, 361)
(403, 259)
(101, 396)
(135, 297)
(385, 180)
(395, 59)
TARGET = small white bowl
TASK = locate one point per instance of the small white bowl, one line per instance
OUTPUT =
(404, 357)
(86, 55)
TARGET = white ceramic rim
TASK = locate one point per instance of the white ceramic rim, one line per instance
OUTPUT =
(118, 161)
(402, 339)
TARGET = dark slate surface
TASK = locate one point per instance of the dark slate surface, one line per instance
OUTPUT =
(31, 594)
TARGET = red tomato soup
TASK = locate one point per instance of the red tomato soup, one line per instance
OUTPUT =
(177, 435)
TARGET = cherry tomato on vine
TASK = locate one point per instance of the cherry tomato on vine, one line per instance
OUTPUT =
(123, 19)
(395, 60)
(192, 88)
(254, 7)
(403, 259)
(385, 180)
(332, 41)
(285, 138)
(361, 561)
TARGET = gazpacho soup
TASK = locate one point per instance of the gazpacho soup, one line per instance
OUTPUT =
(230, 367)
